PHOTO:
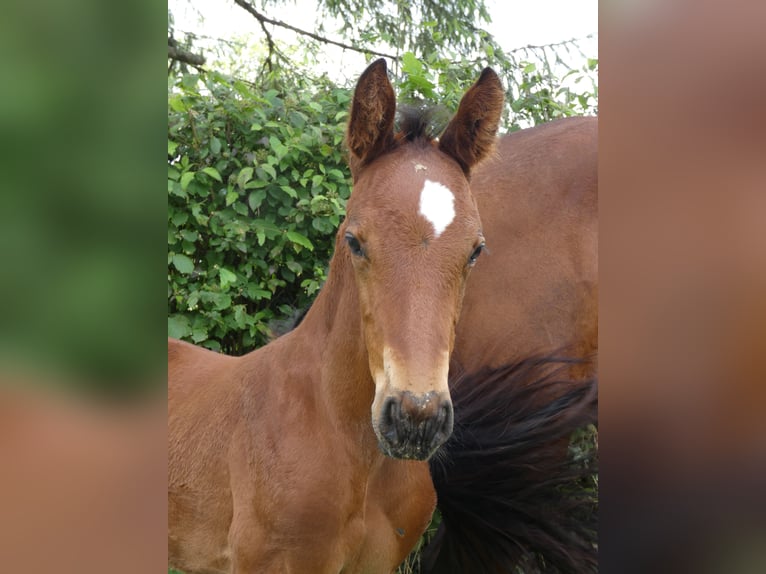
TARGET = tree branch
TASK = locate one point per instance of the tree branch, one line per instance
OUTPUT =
(271, 45)
(181, 55)
(265, 20)
(552, 45)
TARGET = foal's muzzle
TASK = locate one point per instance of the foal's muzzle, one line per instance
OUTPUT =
(412, 426)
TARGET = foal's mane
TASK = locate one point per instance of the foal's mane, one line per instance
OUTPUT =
(420, 122)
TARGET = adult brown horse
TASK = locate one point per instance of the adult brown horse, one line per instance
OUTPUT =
(275, 464)
(526, 344)
(536, 291)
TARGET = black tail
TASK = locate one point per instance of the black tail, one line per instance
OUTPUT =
(511, 495)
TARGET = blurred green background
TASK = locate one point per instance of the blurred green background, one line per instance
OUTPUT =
(82, 116)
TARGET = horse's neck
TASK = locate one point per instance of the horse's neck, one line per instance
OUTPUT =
(333, 326)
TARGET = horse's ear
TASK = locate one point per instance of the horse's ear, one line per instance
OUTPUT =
(470, 136)
(371, 125)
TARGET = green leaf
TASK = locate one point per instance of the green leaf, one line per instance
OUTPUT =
(220, 301)
(173, 172)
(245, 175)
(256, 183)
(174, 188)
(290, 191)
(189, 235)
(295, 267)
(212, 172)
(212, 345)
(178, 327)
(176, 102)
(275, 143)
(179, 218)
(270, 170)
(226, 277)
(529, 68)
(231, 197)
(310, 286)
(172, 148)
(297, 119)
(411, 65)
(302, 240)
(199, 334)
(191, 302)
(257, 294)
(256, 198)
(186, 179)
(215, 145)
(240, 315)
(183, 263)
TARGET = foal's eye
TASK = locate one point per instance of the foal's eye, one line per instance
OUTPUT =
(475, 255)
(353, 244)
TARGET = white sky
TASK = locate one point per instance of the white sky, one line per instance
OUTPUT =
(515, 23)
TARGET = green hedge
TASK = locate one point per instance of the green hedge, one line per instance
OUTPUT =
(257, 185)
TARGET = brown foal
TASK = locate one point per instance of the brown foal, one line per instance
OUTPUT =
(309, 455)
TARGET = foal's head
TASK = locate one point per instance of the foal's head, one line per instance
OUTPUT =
(413, 233)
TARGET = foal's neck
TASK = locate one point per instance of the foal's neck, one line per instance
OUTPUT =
(334, 325)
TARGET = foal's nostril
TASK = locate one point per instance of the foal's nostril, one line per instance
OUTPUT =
(447, 418)
(388, 410)
(389, 419)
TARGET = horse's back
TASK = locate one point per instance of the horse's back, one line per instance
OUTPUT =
(200, 383)
(185, 359)
(201, 419)
(535, 291)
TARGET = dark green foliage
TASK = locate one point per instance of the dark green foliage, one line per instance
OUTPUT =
(257, 184)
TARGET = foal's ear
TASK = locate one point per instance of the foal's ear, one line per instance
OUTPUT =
(371, 125)
(470, 136)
